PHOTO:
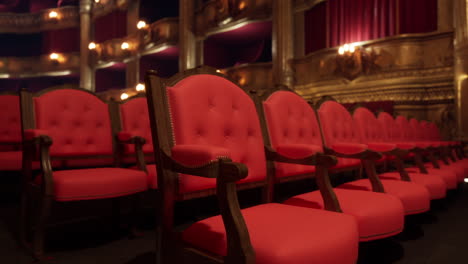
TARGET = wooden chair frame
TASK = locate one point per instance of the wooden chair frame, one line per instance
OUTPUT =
(37, 149)
(227, 172)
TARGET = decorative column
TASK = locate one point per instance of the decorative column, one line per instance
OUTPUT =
(187, 41)
(299, 34)
(283, 46)
(461, 66)
(86, 71)
(132, 73)
(445, 15)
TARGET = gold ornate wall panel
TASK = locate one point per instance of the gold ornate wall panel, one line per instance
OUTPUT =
(414, 71)
(302, 5)
(252, 76)
(218, 15)
(23, 67)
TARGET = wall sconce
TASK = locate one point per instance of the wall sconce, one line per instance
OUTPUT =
(140, 87)
(92, 46)
(124, 46)
(141, 24)
(54, 56)
(123, 96)
(347, 49)
(219, 71)
(54, 15)
(97, 1)
(242, 5)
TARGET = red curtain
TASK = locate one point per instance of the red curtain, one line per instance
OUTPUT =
(360, 20)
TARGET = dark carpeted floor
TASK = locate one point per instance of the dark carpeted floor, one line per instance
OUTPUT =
(437, 237)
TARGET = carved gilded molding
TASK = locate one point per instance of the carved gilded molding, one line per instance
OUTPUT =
(105, 7)
(46, 65)
(220, 15)
(404, 69)
(67, 17)
(20, 23)
(159, 35)
(301, 5)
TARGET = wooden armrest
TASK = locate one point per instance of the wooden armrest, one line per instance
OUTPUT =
(309, 157)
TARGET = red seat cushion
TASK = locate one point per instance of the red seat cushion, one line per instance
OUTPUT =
(151, 175)
(415, 197)
(449, 177)
(99, 183)
(10, 160)
(285, 234)
(434, 183)
(378, 215)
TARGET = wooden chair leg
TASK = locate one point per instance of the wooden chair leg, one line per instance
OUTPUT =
(136, 214)
(23, 221)
(39, 234)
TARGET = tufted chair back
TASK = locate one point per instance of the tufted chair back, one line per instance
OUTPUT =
(369, 128)
(210, 110)
(417, 132)
(338, 127)
(291, 120)
(390, 131)
(135, 120)
(406, 132)
(425, 127)
(77, 121)
(10, 119)
(434, 132)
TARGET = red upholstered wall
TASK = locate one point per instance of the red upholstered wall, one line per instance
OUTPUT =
(110, 26)
(61, 41)
(315, 28)
(418, 16)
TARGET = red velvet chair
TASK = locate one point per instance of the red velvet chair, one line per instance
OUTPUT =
(341, 138)
(60, 126)
(207, 126)
(394, 134)
(371, 134)
(10, 132)
(444, 149)
(457, 148)
(293, 130)
(428, 149)
(135, 123)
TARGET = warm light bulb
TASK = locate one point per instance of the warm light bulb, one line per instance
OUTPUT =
(96, 1)
(352, 48)
(341, 51)
(140, 87)
(53, 14)
(92, 45)
(124, 96)
(141, 24)
(218, 71)
(54, 56)
(346, 47)
(124, 45)
(466, 180)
